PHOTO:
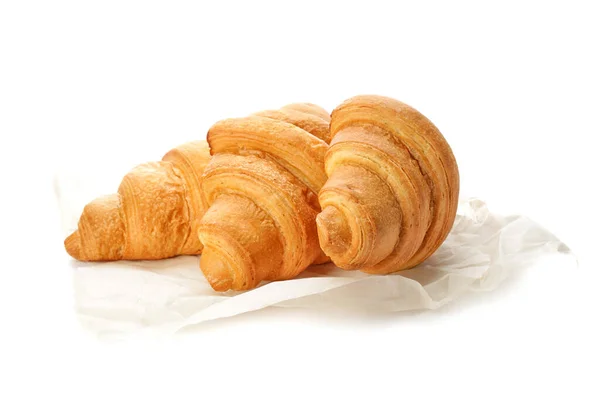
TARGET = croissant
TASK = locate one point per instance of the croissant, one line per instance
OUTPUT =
(261, 188)
(392, 190)
(154, 215)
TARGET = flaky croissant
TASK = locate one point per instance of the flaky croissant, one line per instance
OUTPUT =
(261, 186)
(392, 190)
(154, 215)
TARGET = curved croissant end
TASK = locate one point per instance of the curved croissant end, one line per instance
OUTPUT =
(261, 186)
(101, 232)
(157, 206)
(392, 193)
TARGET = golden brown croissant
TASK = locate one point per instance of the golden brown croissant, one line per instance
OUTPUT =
(261, 185)
(392, 192)
(154, 215)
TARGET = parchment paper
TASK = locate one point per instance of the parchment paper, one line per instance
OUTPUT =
(165, 296)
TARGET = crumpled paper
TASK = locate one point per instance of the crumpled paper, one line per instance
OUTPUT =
(482, 249)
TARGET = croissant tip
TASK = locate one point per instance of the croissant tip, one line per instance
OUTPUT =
(221, 285)
(333, 231)
(72, 245)
(335, 237)
(217, 271)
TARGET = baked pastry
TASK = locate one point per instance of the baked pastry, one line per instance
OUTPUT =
(392, 190)
(261, 187)
(307, 116)
(154, 215)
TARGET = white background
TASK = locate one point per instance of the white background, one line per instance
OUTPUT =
(513, 87)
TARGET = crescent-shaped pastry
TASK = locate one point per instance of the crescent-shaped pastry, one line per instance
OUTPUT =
(154, 215)
(261, 187)
(392, 190)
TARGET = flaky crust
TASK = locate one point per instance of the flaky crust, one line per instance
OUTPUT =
(392, 192)
(307, 116)
(261, 186)
(154, 215)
